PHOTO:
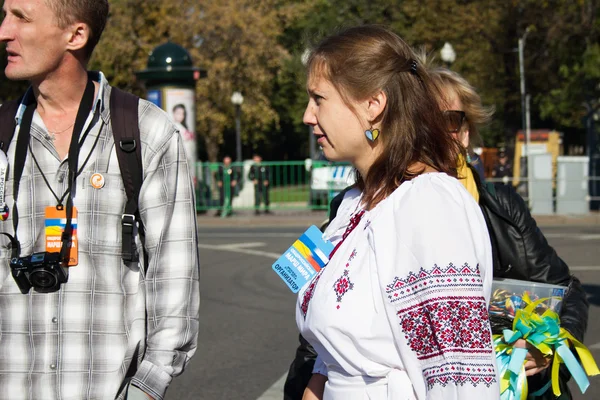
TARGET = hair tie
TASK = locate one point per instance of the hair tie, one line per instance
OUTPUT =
(413, 67)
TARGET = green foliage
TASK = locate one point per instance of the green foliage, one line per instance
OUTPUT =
(255, 47)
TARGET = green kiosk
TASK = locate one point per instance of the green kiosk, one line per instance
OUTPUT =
(170, 80)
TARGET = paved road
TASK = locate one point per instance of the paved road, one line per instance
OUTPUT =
(248, 334)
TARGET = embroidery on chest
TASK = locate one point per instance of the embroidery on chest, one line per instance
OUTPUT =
(343, 284)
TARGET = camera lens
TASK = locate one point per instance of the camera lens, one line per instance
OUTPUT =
(42, 279)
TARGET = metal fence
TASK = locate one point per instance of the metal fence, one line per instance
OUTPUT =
(310, 185)
(287, 185)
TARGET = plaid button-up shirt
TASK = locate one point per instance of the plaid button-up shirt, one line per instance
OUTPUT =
(79, 342)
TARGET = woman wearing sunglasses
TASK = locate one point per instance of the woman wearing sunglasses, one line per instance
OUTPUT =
(520, 249)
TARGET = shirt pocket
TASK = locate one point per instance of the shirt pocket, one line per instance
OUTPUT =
(105, 211)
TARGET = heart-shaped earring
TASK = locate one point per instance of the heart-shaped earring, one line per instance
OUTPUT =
(372, 134)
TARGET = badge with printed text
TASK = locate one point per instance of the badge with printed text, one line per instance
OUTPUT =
(304, 259)
(55, 225)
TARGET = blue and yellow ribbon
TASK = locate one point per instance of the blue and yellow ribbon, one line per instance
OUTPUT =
(545, 334)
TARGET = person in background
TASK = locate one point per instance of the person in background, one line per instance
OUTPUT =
(520, 249)
(115, 328)
(259, 174)
(226, 174)
(381, 326)
(503, 169)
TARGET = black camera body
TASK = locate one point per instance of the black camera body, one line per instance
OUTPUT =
(42, 271)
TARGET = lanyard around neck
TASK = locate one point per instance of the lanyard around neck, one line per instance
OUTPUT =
(21, 154)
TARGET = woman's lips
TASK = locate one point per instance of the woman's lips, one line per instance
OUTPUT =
(321, 138)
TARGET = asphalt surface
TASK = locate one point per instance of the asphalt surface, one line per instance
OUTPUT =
(248, 334)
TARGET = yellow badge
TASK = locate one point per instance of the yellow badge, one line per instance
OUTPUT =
(97, 181)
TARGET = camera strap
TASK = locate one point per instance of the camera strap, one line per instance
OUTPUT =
(21, 153)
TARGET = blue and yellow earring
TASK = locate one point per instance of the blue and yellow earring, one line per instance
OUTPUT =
(372, 134)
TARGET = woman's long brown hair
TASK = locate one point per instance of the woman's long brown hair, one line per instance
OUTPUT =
(361, 61)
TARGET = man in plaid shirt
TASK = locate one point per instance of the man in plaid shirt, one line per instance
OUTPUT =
(114, 329)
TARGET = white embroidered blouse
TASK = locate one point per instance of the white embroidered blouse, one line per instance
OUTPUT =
(400, 311)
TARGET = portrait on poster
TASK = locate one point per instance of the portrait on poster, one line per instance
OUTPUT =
(179, 103)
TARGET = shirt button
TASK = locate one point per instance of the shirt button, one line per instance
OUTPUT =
(61, 179)
(54, 320)
(52, 366)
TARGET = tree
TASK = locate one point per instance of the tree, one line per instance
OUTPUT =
(560, 57)
(237, 43)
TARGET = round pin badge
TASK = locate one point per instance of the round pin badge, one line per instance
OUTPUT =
(3, 212)
(97, 181)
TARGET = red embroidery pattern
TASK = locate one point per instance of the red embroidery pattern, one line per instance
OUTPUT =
(342, 286)
(438, 277)
(447, 324)
(308, 294)
(444, 317)
(460, 374)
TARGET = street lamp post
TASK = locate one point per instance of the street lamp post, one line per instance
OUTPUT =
(525, 112)
(448, 54)
(237, 99)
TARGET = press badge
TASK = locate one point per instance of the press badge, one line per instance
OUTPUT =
(55, 225)
(304, 259)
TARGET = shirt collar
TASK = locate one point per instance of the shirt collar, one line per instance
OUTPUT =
(96, 76)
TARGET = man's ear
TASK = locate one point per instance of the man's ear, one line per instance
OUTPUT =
(78, 36)
(375, 106)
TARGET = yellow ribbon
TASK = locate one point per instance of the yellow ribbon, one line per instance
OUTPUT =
(545, 334)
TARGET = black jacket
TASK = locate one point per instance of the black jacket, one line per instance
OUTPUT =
(520, 251)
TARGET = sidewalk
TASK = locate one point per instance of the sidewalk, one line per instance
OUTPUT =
(306, 218)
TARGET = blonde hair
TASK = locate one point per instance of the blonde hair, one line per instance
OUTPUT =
(476, 113)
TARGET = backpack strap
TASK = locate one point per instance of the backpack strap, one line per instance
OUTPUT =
(8, 111)
(126, 134)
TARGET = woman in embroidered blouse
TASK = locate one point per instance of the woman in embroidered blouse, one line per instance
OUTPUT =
(400, 311)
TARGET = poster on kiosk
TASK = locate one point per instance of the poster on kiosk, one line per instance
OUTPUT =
(179, 104)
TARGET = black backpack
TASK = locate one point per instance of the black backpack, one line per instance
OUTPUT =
(126, 134)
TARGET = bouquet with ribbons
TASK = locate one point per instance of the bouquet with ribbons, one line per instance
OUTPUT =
(534, 319)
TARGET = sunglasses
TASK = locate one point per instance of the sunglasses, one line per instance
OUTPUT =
(454, 120)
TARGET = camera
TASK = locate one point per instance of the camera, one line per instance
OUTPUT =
(42, 271)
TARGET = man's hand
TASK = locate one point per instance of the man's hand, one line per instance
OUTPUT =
(266, 183)
(255, 181)
(233, 182)
(535, 360)
(219, 183)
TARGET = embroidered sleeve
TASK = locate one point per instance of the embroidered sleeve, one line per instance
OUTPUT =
(443, 320)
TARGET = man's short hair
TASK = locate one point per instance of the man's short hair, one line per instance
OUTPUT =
(93, 13)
